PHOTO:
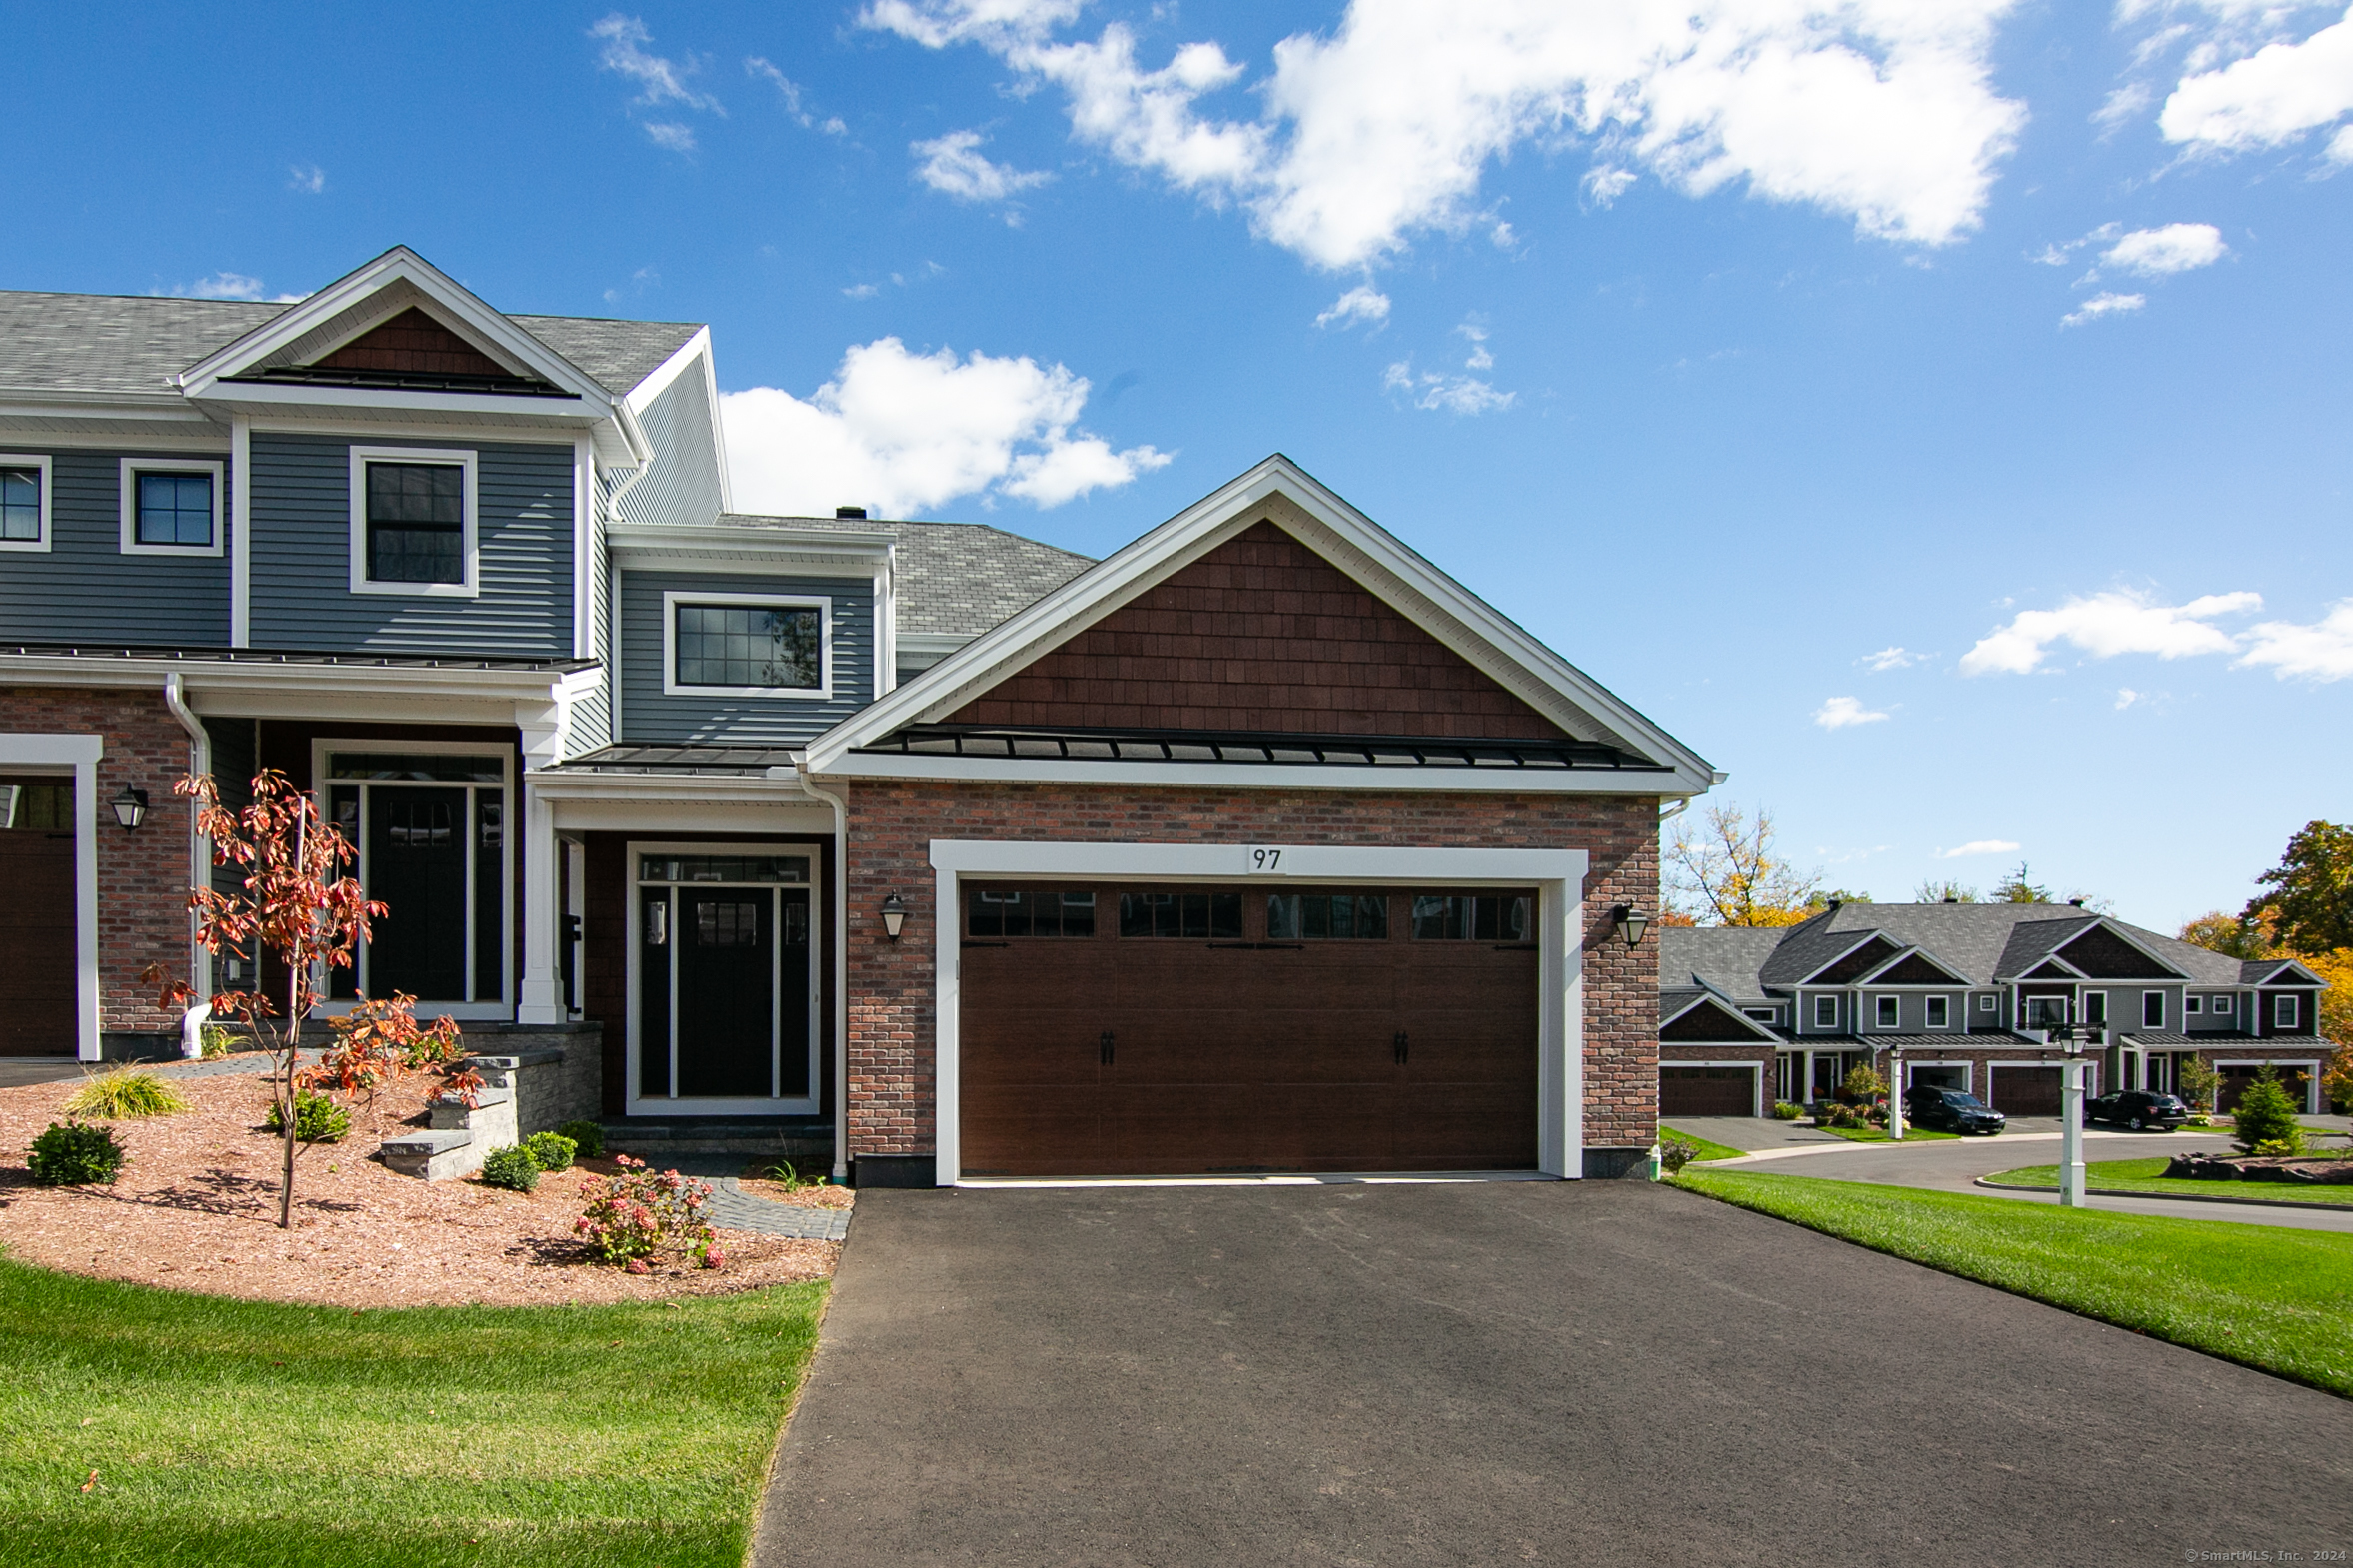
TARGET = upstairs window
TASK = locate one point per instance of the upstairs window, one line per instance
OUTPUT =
(2225, 1007)
(171, 509)
(2193, 1005)
(2284, 1013)
(1986, 1003)
(743, 644)
(1825, 1012)
(1940, 1013)
(1890, 1010)
(24, 503)
(414, 527)
(2152, 1009)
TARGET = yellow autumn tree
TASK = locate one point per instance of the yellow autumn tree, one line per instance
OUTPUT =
(1730, 873)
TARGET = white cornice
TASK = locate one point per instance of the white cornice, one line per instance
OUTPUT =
(1247, 775)
(206, 678)
(666, 537)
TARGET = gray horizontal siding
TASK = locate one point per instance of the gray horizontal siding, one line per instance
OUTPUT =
(82, 589)
(649, 715)
(302, 555)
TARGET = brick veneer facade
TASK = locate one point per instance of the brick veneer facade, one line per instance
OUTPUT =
(893, 1022)
(1259, 633)
(142, 876)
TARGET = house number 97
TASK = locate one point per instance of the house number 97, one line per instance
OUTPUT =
(1266, 862)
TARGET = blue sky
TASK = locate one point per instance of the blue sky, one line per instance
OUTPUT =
(1934, 414)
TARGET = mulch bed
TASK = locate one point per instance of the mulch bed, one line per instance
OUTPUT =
(196, 1208)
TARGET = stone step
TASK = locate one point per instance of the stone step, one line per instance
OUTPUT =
(434, 1155)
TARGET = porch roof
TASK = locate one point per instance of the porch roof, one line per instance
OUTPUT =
(1268, 750)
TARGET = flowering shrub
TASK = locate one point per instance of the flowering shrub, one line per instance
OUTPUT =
(642, 1212)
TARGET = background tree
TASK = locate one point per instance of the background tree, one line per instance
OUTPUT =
(1730, 873)
(2229, 934)
(2196, 1080)
(2020, 887)
(1947, 892)
(2309, 895)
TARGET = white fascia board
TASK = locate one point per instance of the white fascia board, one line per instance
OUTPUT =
(657, 381)
(865, 545)
(205, 676)
(400, 264)
(1413, 586)
(577, 783)
(942, 642)
(571, 408)
(1241, 775)
(1872, 979)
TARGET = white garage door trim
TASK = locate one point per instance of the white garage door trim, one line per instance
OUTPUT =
(1754, 1069)
(1557, 874)
(79, 756)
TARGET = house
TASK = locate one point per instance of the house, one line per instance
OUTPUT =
(1958, 996)
(936, 851)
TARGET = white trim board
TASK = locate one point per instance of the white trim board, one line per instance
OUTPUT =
(1370, 780)
(40, 462)
(672, 598)
(464, 459)
(1755, 1071)
(132, 467)
(79, 756)
(1557, 874)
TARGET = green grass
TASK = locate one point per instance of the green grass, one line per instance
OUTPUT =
(1879, 1134)
(231, 1432)
(2148, 1176)
(2271, 1298)
(1707, 1150)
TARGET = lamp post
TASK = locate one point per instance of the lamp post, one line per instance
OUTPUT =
(2071, 1038)
(1896, 1092)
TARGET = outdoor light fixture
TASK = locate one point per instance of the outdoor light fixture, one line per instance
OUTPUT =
(130, 807)
(1631, 923)
(894, 915)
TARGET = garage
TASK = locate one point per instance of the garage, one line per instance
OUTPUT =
(1126, 1030)
(1706, 1092)
(37, 1003)
(2025, 1091)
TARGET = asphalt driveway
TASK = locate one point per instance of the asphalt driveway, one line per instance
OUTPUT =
(1496, 1373)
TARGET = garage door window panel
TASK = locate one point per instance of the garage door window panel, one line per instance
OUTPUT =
(1051, 913)
(1327, 917)
(1481, 917)
(1202, 916)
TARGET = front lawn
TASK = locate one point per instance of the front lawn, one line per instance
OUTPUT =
(2274, 1298)
(2148, 1176)
(1707, 1150)
(1880, 1136)
(223, 1432)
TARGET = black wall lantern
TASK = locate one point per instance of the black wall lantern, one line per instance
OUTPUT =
(130, 807)
(1631, 923)
(894, 915)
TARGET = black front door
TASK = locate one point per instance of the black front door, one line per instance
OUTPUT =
(417, 868)
(727, 991)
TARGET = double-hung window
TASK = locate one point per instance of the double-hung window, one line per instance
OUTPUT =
(2284, 1013)
(1939, 1012)
(1887, 1012)
(170, 508)
(24, 502)
(414, 527)
(746, 644)
(2152, 1009)
(1825, 1012)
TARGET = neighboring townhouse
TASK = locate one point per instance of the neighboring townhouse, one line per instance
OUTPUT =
(1960, 994)
(934, 850)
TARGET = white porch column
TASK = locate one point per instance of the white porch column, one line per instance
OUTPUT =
(541, 994)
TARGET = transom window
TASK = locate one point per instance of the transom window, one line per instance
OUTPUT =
(1051, 913)
(789, 869)
(1322, 918)
(1438, 917)
(175, 508)
(416, 522)
(20, 505)
(726, 646)
(1214, 916)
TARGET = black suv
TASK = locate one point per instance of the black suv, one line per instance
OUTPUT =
(1951, 1110)
(2138, 1108)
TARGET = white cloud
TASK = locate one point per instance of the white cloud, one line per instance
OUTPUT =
(2122, 106)
(1605, 185)
(2126, 697)
(2269, 98)
(1980, 846)
(861, 291)
(1843, 713)
(2157, 253)
(1362, 303)
(790, 91)
(670, 136)
(2320, 652)
(1880, 110)
(223, 286)
(2104, 305)
(1480, 357)
(952, 166)
(1891, 659)
(1451, 394)
(2109, 624)
(906, 432)
(660, 80)
(307, 178)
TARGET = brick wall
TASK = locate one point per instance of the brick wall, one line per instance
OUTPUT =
(892, 825)
(142, 876)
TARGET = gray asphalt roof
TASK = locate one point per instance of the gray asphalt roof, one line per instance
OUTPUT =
(958, 579)
(106, 344)
(1976, 941)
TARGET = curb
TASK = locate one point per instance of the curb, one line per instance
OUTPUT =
(2172, 1197)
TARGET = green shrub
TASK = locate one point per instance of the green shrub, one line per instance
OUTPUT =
(1784, 1111)
(588, 1138)
(75, 1153)
(2265, 1114)
(2273, 1148)
(215, 1040)
(122, 1092)
(783, 1174)
(512, 1168)
(1674, 1154)
(317, 1119)
(549, 1150)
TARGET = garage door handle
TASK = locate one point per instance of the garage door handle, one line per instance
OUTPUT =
(1400, 1044)
(1104, 1043)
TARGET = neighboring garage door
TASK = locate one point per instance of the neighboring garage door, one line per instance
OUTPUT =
(2026, 1091)
(1706, 1092)
(37, 1000)
(2237, 1080)
(1129, 1030)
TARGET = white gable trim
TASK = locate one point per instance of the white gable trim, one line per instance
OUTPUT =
(1709, 997)
(1917, 951)
(2103, 923)
(1279, 489)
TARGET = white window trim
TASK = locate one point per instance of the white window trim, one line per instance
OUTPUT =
(1987, 1003)
(1879, 1010)
(822, 604)
(2193, 1004)
(471, 540)
(1928, 1013)
(2281, 1000)
(132, 467)
(32, 459)
(2146, 1021)
(2226, 1006)
(1816, 1013)
(2083, 1010)
(1557, 874)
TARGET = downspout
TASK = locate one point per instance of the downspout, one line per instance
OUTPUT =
(200, 762)
(799, 775)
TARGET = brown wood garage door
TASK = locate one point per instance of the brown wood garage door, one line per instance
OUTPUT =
(1706, 1092)
(37, 1014)
(2237, 1080)
(2025, 1091)
(1128, 1030)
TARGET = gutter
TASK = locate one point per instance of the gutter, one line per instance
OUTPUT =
(200, 854)
(797, 775)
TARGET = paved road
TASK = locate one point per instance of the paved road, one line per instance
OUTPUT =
(1505, 1373)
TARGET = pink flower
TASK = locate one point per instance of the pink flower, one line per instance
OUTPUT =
(637, 1266)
